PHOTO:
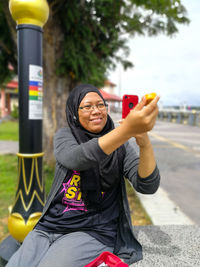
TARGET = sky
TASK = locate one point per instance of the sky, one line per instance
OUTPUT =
(169, 66)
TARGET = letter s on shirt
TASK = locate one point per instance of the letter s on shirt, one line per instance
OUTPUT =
(71, 192)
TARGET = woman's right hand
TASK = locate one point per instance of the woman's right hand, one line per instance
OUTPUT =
(142, 118)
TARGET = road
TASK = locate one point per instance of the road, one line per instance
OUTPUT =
(177, 151)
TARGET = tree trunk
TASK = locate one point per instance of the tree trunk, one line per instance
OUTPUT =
(56, 89)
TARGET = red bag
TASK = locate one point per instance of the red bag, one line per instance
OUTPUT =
(107, 259)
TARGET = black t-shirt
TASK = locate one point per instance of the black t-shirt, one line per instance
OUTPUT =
(68, 213)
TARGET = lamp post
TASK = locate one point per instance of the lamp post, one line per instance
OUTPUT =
(30, 16)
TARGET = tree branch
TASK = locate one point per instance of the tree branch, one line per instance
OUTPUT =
(4, 47)
(55, 5)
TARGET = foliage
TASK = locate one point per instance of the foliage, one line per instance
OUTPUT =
(96, 31)
(15, 112)
(7, 48)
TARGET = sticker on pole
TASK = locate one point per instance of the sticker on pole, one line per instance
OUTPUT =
(35, 92)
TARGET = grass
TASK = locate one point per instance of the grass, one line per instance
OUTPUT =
(138, 213)
(9, 130)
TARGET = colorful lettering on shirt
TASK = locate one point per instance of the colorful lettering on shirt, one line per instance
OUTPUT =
(72, 194)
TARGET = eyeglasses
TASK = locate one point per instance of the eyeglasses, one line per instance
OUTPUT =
(89, 108)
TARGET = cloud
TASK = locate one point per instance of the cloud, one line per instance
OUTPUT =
(168, 66)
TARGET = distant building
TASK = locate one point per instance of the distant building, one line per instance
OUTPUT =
(113, 100)
(109, 87)
(8, 97)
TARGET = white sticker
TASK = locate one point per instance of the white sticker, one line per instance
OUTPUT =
(35, 92)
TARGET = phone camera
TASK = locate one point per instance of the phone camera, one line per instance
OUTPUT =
(130, 105)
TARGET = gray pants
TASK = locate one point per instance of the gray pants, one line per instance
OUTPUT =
(44, 249)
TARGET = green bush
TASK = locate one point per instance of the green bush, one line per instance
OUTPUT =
(15, 112)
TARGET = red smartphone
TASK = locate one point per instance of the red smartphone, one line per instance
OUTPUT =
(128, 103)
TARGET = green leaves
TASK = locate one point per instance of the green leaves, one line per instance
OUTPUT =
(7, 48)
(95, 31)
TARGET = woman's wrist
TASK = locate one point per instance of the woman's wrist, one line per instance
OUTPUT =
(114, 139)
(143, 141)
(127, 130)
(145, 145)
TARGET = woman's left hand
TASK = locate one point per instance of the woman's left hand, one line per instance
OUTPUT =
(142, 140)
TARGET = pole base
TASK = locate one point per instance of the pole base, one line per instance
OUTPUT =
(7, 248)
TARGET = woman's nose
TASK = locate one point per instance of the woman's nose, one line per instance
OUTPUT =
(95, 109)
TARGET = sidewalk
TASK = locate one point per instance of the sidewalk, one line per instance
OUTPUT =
(162, 210)
(169, 245)
(8, 147)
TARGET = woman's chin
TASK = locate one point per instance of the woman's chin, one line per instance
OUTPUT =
(97, 128)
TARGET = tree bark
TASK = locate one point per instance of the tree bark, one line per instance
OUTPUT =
(56, 89)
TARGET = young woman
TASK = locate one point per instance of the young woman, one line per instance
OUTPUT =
(87, 211)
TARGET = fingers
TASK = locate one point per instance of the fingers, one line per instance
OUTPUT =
(120, 121)
(152, 105)
(151, 112)
(152, 118)
(155, 100)
(141, 104)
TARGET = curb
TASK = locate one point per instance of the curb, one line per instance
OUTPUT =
(162, 210)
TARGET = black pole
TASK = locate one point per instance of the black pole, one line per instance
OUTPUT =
(30, 194)
(29, 57)
(30, 121)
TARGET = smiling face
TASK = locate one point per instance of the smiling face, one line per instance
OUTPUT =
(94, 120)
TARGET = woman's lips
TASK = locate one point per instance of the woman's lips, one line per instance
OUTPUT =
(96, 120)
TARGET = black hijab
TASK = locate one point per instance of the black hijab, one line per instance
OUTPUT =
(106, 174)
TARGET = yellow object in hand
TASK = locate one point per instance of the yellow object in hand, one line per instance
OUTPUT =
(150, 97)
